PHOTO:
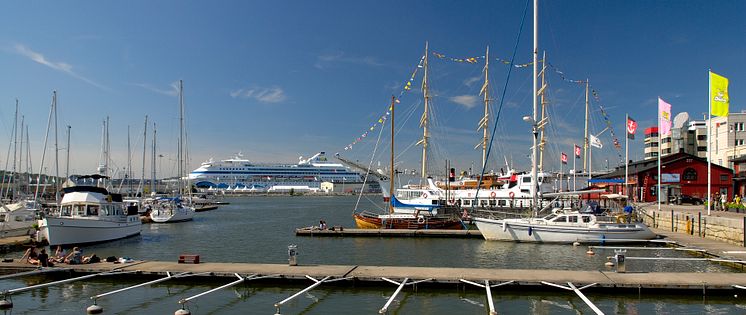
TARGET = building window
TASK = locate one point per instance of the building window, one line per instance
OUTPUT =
(690, 174)
(739, 141)
(701, 149)
(724, 178)
(702, 137)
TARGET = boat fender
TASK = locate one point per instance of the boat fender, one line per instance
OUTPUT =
(505, 226)
(530, 231)
(493, 194)
(511, 195)
(420, 220)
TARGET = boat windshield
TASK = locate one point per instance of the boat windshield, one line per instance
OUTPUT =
(550, 217)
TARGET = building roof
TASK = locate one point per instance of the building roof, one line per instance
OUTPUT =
(645, 165)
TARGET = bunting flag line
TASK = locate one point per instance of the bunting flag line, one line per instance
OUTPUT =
(474, 60)
(381, 120)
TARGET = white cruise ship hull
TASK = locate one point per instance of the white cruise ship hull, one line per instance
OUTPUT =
(524, 230)
(66, 231)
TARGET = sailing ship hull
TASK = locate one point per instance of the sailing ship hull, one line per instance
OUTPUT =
(371, 221)
(67, 231)
(526, 231)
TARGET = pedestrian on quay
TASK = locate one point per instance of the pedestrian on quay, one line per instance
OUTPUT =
(723, 201)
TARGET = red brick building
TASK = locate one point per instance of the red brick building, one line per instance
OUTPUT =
(683, 174)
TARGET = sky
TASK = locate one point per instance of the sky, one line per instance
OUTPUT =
(277, 80)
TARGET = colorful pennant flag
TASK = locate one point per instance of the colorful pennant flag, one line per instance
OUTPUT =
(719, 94)
(631, 128)
(664, 117)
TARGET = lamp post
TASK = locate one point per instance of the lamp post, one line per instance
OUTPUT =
(734, 130)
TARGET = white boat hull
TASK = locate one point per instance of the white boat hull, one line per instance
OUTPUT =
(180, 214)
(526, 231)
(64, 231)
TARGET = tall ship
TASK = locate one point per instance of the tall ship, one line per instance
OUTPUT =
(239, 174)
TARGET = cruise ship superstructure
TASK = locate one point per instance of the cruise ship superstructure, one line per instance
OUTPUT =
(241, 174)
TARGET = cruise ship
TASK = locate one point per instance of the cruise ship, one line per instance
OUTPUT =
(241, 175)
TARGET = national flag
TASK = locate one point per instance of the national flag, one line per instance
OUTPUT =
(719, 94)
(664, 117)
(596, 142)
(631, 128)
(577, 151)
(564, 158)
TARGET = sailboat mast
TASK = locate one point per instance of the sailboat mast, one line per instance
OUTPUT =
(153, 165)
(67, 160)
(534, 182)
(484, 124)
(585, 137)
(128, 173)
(181, 135)
(391, 171)
(144, 149)
(424, 121)
(56, 155)
(542, 93)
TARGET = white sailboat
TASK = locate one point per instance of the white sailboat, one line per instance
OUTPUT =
(174, 209)
(562, 226)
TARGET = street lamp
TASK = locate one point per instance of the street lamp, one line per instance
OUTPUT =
(734, 130)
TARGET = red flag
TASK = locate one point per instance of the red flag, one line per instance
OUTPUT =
(564, 158)
(631, 128)
(577, 151)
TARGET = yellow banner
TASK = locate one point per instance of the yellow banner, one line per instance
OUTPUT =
(719, 94)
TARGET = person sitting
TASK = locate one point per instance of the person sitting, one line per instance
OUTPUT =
(44, 260)
(76, 257)
(91, 259)
(31, 256)
(59, 255)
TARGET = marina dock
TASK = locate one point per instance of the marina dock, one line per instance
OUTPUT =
(389, 233)
(436, 275)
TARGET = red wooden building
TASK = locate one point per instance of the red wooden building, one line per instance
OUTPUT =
(683, 174)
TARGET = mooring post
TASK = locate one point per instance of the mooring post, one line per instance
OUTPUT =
(672, 220)
(699, 223)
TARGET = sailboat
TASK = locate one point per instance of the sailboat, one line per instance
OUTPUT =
(563, 225)
(421, 216)
(174, 209)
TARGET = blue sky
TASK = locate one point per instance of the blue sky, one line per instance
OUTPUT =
(281, 79)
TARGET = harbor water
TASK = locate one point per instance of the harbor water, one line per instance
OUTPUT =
(259, 229)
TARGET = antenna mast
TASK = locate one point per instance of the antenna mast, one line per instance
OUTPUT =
(424, 120)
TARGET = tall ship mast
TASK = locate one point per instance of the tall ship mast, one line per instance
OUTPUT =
(485, 122)
(424, 121)
(542, 93)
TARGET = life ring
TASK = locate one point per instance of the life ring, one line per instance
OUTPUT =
(511, 195)
(424, 195)
(453, 200)
(420, 220)
(493, 194)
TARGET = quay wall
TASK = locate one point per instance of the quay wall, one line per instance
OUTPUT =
(725, 229)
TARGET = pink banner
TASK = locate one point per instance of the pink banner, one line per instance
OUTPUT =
(664, 117)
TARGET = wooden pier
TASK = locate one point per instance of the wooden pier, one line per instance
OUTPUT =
(373, 275)
(388, 233)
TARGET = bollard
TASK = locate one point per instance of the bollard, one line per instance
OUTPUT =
(620, 264)
(292, 254)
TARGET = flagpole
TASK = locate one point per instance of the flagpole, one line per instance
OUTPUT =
(709, 153)
(660, 142)
(626, 157)
(590, 161)
(561, 169)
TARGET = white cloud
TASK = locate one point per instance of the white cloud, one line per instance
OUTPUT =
(172, 91)
(273, 94)
(59, 66)
(468, 101)
(472, 80)
(323, 61)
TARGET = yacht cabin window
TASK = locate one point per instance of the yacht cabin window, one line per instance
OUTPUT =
(501, 203)
(572, 219)
(66, 211)
(586, 219)
(93, 210)
(561, 219)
